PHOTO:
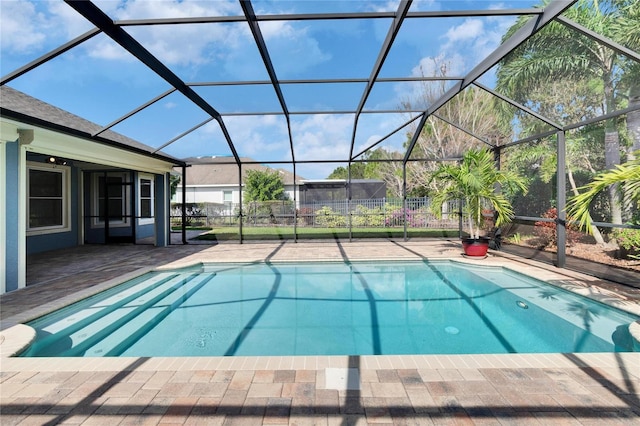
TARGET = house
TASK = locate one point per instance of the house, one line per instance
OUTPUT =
(216, 180)
(65, 181)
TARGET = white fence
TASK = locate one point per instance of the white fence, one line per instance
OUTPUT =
(372, 213)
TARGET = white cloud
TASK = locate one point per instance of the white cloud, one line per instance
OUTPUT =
(259, 137)
(323, 137)
(22, 28)
(292, 48)
(468, 30)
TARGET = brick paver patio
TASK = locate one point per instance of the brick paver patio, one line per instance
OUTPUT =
(338, 390)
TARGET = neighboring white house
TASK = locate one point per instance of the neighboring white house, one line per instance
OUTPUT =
(215, 180)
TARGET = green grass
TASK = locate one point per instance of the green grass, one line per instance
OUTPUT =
(286, 232)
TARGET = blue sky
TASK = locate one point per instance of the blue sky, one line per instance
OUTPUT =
(100, 81)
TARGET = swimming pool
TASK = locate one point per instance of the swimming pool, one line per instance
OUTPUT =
(331, 308)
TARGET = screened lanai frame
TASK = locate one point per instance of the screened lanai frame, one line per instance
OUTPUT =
(540, 17)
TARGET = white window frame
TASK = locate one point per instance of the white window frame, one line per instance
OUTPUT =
(126, 202)
(65, 172)
(151, 198)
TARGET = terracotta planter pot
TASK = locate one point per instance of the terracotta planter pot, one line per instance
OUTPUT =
(475, 247)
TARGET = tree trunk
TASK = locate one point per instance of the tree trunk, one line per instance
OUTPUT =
(633, 120)
(633, 129)
(611, 147)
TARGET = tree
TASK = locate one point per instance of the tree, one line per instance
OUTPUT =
(174, 181)
(357, 172)
(472, 110)
(264, 185)
(559, 53)
(474, 181)
(583, 148)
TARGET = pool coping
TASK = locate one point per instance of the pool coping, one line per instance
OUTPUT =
(16, 336)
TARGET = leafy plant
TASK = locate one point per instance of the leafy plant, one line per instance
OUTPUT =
(548, 231)
(515, 238)
(474, 181)
(627, 175)
(327, 217)
(414, 218)
(627, 238)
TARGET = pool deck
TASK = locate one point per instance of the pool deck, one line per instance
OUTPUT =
(327, 390)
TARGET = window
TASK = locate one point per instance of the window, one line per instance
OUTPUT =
(145, 199)
(227, 196)
(48, 189)
(112, 187)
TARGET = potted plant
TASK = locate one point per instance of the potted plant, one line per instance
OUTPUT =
(477, 182)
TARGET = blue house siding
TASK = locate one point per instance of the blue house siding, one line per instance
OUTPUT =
(12, 225)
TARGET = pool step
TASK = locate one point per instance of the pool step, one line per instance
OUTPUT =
(118, 341)
(182, 287)
(106, 315)
(102, 307)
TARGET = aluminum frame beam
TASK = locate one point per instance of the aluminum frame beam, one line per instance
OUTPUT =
(388, 135)
(249, 13)
(98, 18)
(530, 28)
(183, 134)
(321, 81)
(403, 9)
(135, 111)
(462, 129)
(329, 16)
(599, 38)
(50, 55)
(518, 105)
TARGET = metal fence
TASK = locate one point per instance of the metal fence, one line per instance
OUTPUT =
(371, 213)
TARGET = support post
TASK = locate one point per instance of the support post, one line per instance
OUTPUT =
(404, 198)
(561, 195)
(349, 198)
(295, 206)
(183, 220)
(241, 213)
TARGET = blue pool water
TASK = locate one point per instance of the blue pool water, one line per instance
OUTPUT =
(435, 307)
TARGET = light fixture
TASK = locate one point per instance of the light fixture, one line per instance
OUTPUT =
(57, 161)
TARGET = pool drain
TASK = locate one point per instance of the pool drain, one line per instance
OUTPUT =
(451, 330)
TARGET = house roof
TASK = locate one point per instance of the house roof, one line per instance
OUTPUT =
(224, 171)
(29, 110)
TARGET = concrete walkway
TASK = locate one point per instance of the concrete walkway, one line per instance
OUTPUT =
(327, 390)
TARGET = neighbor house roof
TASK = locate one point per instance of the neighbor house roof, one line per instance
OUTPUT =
(224, 171)
(29, 110)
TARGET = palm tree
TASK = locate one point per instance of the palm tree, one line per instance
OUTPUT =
(627, 174)
(475, 181)
(560, 53)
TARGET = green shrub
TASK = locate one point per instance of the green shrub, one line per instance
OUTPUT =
(363, 217)
(327, 217)
(627, 238)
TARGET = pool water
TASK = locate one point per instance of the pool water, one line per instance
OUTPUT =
(437, 307)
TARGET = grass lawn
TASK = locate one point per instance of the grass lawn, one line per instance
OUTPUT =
(286, 232)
